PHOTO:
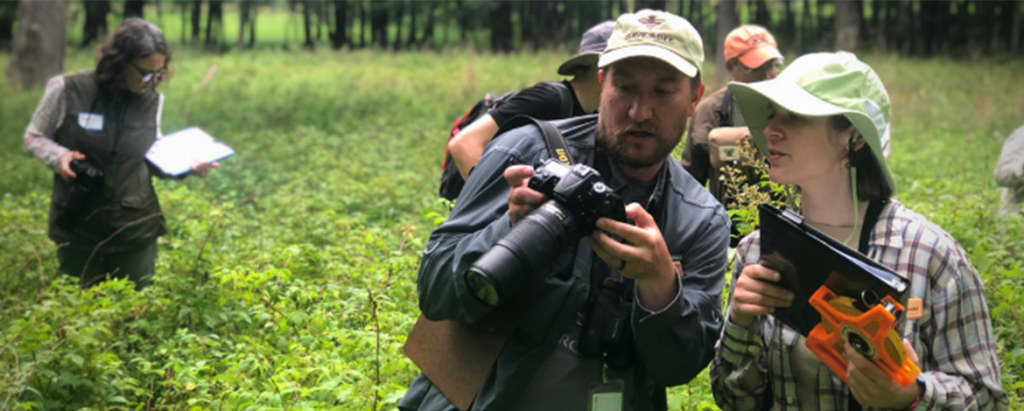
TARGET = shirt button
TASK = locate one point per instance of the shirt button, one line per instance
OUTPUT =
(789, 400)
(753, 349)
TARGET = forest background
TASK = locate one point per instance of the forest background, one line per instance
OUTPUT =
(288, 277)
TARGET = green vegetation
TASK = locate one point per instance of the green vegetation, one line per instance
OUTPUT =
(288, 277)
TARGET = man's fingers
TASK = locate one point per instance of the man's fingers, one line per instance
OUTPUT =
(516, 175)
(525, 196)
(615, 250)
(635, 212)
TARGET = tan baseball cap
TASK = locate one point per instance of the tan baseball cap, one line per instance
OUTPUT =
(652, 33)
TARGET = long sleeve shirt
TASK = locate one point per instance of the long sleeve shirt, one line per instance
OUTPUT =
(47, 119)
(953, 338)
(539, 368)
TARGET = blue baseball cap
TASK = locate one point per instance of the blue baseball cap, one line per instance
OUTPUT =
(591, 46)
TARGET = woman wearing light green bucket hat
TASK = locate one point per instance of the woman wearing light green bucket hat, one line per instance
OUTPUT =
(823, 124)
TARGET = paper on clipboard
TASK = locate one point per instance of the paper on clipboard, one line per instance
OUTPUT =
(175, 153)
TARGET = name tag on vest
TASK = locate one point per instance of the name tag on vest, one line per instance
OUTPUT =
(90, 121)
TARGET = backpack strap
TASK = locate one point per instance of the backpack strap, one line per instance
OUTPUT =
(724, 119)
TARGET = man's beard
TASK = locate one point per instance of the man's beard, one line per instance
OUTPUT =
(614, 145)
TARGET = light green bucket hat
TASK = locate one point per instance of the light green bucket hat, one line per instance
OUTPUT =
(820, 85)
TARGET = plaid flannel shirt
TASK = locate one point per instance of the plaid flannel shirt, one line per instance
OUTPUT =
(48, 118)
(953, 339)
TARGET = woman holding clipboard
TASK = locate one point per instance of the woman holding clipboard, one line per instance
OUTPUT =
(93, 129)
(823, 124)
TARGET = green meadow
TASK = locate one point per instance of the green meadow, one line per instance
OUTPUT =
(287, 280)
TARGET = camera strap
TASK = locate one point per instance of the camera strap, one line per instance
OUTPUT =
(553, 138)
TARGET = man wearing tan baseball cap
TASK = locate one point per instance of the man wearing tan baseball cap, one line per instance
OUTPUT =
(619, 313)
(718, 129)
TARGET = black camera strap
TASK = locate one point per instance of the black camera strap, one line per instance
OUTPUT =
(555, 142)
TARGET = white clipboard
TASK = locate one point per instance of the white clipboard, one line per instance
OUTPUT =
(175, 153)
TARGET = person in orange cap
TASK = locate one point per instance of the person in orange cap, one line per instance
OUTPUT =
(717, 128)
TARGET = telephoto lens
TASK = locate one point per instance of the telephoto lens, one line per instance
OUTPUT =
(579, 199)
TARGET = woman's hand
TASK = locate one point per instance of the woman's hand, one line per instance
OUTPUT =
(756, 295)
(201, 168)
(64, 163)
(872, 387)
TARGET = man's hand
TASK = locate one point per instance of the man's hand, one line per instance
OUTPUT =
(872, 387)
(64, 164)
(644, 257)
(755, 295)
(201, 168)
(522, 200)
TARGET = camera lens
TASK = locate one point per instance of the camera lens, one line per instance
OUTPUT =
(531, 246)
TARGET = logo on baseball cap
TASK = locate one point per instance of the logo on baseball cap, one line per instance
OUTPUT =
(752, 45)
(657, 34)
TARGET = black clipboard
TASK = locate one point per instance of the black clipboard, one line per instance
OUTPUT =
(806, 259)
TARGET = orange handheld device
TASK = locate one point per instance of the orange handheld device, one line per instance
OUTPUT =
(870, 332)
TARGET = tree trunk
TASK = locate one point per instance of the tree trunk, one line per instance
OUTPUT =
(414, 11)
(761, 16)
(362, 23)
(252, 26)
(305, 24)
(243, 19)
(527, 27)
(95, 20)
(197, 11)
(1016, 29)
(214, 17)
(501, 27)
(37, 50)
(399, 17)
(134, 8)
(379, 24)
(428, 30)
(847, 25)
(463, 22)
(340, 37)
(650, 4)
(788, 33)
(727, 20)
(8, 12)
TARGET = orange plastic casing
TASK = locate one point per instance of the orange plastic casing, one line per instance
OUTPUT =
(873, 325)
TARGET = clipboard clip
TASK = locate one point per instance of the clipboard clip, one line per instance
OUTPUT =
(793, 216)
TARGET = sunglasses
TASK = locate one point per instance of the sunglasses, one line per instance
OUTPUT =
(148, 76)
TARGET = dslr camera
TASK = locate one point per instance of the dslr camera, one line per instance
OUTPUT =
(578, 198)
(88, 179)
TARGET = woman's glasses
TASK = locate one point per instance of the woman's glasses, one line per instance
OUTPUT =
(148, 76)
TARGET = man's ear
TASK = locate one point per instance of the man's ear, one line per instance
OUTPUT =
(696, 99)
(600, 76)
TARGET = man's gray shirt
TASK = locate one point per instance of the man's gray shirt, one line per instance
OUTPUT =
(672, 345)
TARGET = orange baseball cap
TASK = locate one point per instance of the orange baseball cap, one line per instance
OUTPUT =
(753, 45)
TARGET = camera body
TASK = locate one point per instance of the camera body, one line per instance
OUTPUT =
(579, 189)
(578, 199)
(88, 179)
